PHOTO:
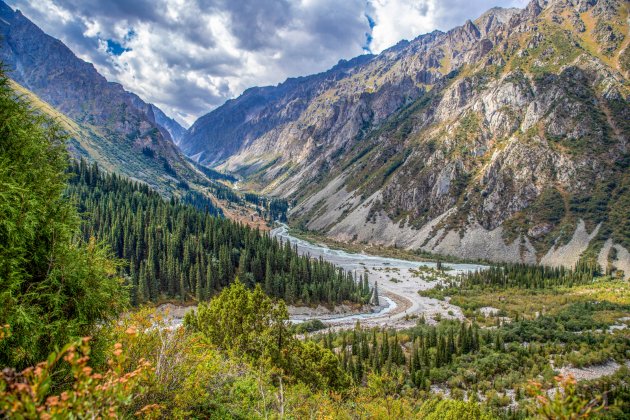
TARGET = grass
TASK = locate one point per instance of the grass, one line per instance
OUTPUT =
(445, 63)
(529, 303)
(44, 107)
(114, 152)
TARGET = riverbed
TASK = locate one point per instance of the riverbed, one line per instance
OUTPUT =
(398, 283)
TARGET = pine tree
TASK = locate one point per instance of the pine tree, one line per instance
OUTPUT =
(54, 286)
(375, 299)
(143, 293)
(268, 277)
(450, 346)
(210, 277)
(199, 293)
(182, 288)
(172, 239)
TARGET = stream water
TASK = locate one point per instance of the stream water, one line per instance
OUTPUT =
(358, 262)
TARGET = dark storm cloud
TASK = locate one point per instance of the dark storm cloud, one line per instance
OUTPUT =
(255, 23)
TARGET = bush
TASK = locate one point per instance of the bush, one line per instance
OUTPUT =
(27, 394)
(308, 326)
(53, 288)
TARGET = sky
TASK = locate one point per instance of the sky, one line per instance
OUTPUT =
(190, 56)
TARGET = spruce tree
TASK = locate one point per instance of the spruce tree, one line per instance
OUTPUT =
(375, 299)
(53, 287)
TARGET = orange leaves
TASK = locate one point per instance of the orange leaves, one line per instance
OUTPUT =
(5, 331)
(565, 380)
(562, 401)
(150, 411)
(92, 394)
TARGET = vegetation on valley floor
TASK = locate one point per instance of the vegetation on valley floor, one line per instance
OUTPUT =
(235, 358)
(270, 209)
(494, 358)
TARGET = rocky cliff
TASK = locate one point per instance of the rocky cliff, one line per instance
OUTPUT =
(109, 125)
(504, 139)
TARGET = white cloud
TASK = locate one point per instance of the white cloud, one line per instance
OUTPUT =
(188, 57)
(406, 19)
(395, 20)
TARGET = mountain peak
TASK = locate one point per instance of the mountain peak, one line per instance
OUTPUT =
(452, 143)
(116, 127)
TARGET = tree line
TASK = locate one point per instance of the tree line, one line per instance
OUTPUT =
(530, 276)
(175, 250)
(381, 351)
(274, 208)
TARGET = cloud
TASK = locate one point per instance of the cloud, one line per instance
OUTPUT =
(190, 56)
(406, 19)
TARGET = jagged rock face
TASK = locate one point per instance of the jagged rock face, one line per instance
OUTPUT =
(121, 125)
(514, 127)
(242, 121)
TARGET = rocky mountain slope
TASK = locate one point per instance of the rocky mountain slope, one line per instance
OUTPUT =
(504, 139)
(175, 130)
(107, 124)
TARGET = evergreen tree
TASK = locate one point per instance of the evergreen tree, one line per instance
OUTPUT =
(176, 250)
(375, 300)
(53, 287)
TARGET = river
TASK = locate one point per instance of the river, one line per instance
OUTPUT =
(398, 283)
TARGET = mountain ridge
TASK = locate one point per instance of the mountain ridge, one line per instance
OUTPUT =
(503, 139)
(118, 128)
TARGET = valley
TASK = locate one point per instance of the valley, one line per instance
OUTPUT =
(398, 284)
(453, 143)
(438, 228)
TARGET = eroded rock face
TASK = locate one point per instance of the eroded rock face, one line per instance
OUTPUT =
(511, 128)
(120, 124)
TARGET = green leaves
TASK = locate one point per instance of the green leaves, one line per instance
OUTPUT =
(242, 321)
(53, 288)
(248, 325)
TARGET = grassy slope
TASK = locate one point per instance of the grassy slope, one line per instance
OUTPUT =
(112, 154)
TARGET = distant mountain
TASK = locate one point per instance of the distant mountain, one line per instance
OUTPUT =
(505, 138)
(109, 124)
(175, 130)
(241, 121)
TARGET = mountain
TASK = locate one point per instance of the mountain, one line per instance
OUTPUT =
(175, 130)
(106, 123)
(239, 122)
(504, 139)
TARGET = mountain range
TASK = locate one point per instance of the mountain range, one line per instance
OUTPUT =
(503, 139)
(106, 123)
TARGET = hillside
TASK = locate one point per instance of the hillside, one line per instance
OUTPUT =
(107, 124)
(502, 139)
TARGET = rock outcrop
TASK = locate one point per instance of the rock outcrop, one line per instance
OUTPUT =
(505, 139)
